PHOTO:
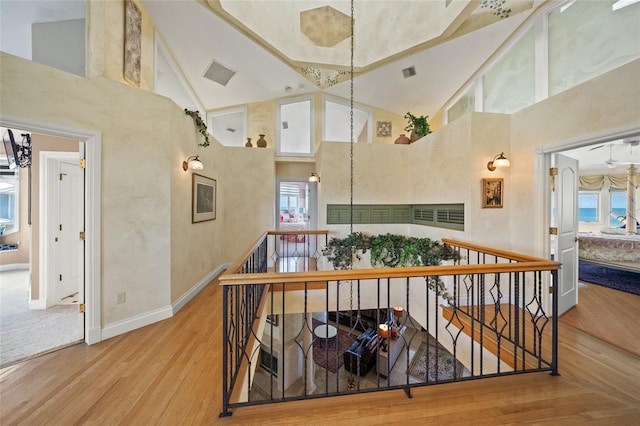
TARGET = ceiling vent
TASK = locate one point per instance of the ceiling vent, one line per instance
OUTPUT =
(218, 73)
(409, 72)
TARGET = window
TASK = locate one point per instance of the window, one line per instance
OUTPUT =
(589, 38)
(465, 104)
(588, 203)
(510, 83)
(336, 122)
(9, 206)
(229, 126)
(618, 214)
(294, 130)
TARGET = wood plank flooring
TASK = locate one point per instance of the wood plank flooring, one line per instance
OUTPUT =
(610, 315)
(169, 374)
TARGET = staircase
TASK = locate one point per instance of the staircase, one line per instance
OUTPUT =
(513, 336)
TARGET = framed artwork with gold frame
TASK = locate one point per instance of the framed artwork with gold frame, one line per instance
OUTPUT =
(492, 193)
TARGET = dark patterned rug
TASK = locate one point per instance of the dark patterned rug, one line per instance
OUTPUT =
(427, 367)
(611, 277)
(328, 354)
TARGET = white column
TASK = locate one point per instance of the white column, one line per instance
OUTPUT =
(307, 339)
(631, 202)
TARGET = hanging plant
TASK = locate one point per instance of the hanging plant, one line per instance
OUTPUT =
(200, 124)
(391, 250)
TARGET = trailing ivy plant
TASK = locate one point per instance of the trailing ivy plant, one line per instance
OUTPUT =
(200, 124)
(391, 250)
(341, 251)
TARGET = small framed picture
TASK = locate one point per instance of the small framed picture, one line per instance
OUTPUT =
(492, 193)
(272, 319)
(204, 199)
(383, 128)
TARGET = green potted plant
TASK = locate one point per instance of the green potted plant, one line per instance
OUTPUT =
(418, 126)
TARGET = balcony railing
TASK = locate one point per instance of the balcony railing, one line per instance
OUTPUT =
(292, 332)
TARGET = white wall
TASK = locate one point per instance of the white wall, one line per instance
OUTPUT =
(60, 45)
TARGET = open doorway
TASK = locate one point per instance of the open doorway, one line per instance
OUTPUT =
(42, 282)
(604, 199)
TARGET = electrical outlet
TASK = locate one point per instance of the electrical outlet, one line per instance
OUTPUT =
(122, 297)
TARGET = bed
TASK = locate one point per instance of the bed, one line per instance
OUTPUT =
(610, 249)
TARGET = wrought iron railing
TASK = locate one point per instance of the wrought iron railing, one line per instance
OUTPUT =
(318, 333)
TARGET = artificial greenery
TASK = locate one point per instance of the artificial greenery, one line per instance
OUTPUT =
(417, 125)
(391, 250)
(202, 127)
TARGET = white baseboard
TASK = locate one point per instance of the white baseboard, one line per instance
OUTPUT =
(37, 304)
(185, 298)
(14, 267)
(135, 322)
(93, 336)
(156, 315)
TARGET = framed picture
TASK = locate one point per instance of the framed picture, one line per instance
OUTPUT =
(492, 193)
(132, 43)
(383, 128)
(203, 199)
(272, 319)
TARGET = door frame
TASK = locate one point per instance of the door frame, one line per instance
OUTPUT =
(543, 186)
(49, 162)
(92, 214)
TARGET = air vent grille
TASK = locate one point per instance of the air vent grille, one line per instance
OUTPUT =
(219, 73)
(409, 72)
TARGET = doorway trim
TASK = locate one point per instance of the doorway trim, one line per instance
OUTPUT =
(47, 158)
(92, 215)
(542, 188)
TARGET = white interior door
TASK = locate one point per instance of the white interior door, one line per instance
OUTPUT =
(565, 219)
(70, 246)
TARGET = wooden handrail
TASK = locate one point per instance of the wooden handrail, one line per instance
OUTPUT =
(359, 274)
(237, 265)
(492, 251)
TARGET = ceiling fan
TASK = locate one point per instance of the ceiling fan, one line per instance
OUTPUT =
(632, 142)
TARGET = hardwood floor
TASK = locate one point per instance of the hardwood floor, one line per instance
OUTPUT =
(610, 315)
(169, 373)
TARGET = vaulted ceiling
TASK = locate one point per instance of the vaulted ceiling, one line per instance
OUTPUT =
(282, 47)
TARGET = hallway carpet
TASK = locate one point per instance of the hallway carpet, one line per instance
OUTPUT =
(607, 276)
(26, 333)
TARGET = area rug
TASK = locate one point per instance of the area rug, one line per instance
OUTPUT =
(427, 367)
(607, 276)
(329, 354)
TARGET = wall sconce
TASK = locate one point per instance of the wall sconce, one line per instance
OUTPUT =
(498, 161)
(314, 177)
(192, 163)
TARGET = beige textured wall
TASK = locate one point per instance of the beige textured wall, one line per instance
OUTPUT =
(248, 197)
(137, 162)
(380, 176)
(105, 45)
(596, 107)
